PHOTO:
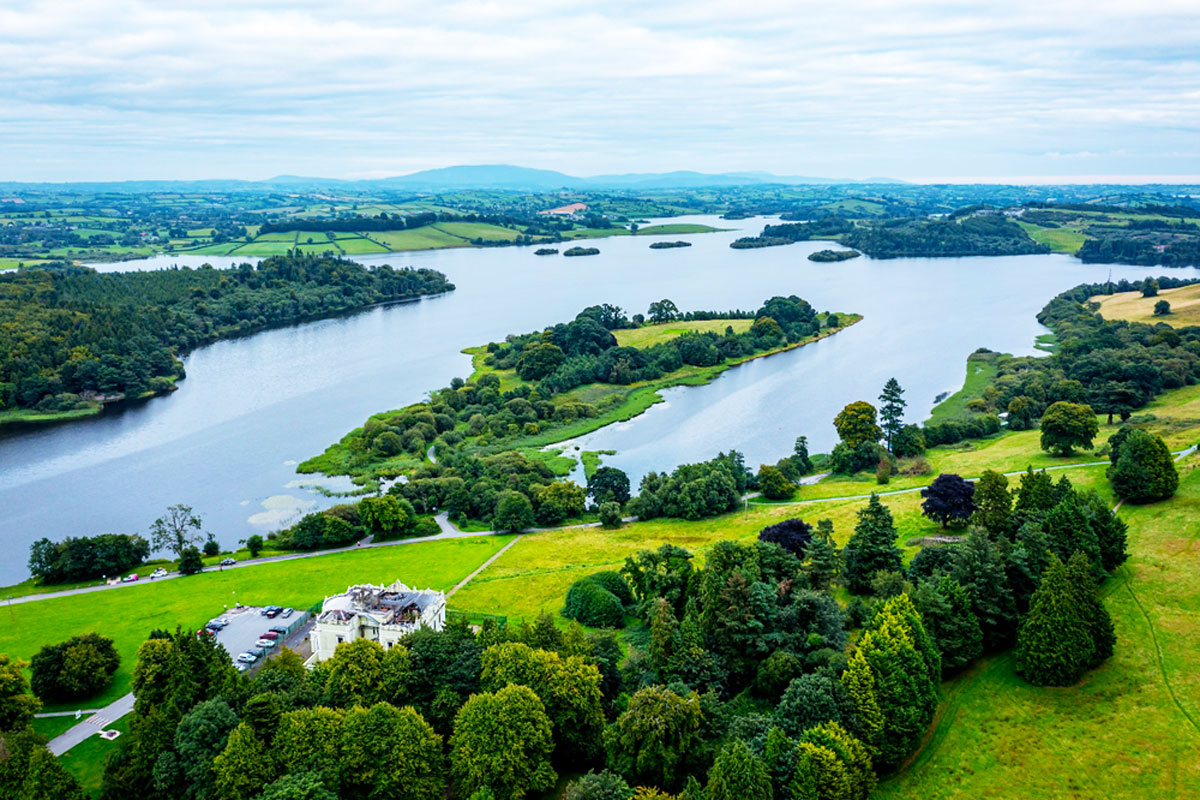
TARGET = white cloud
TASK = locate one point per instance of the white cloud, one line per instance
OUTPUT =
(142, 89)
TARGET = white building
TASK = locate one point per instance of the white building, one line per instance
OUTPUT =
(380, 613)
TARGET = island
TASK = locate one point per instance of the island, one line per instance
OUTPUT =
(669, 245)
(546, 251)
(581, 251)
(833, 255)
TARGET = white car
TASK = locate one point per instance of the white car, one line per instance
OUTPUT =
(264, 643)
(241, 667)
(247, 658)
(159, 573)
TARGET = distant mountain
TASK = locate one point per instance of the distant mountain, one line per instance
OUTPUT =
(459, 178)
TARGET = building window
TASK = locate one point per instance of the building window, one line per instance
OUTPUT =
(339, 640)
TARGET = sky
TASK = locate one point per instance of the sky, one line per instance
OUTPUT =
(1019, 91)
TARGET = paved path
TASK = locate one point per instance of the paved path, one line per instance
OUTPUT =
(484, 565)
(92, 725)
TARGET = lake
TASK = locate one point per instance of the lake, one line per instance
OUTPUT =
(227, 442)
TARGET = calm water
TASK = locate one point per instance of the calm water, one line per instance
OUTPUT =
(227, 442)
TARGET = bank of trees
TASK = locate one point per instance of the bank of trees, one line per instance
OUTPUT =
(79, 558)
(75, 669)
(72, 333)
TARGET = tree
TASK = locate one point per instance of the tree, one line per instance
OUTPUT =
(891, 411)
(946, 613)
(310, 739)
(609, 484)
(298, 786)
(17, 705)
(254, 543)
(191, 561)
(76, 668)
(48, 779)
(793, 535)
(1143, 469)
(390, 752)
(852, 753)
(949, 499)
(773, 484)
(211, 546)
(872, 547)
(569, 688)
(1162, 308)
(651, 739)
(559, 501)
(603, 785)
(1066, 426)
(514, 512)
(903, 662)
(1067, 630)
(800, 459)
(244, 766)
(978, 566)
(610, 514)
(355, 673)
(823, 565)
(810, 700)
(176, 530)
(387, 514)
(856, 424)
(738, 774)
(662, 311)
(1149, 288)
(502, 743)
(200, 736)
(994, 504)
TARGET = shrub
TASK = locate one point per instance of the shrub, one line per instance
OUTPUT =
(1143, 470)
(615, 583)
(74, 669)
(589, 603)
(191, 561)
(793, 535)
(773, 484)
(610, 514)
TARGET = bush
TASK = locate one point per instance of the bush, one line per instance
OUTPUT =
(589, 603)
(74, 669)
(793, 535)
(773, 484)
(191, 561)
(615, 583)
(514, 512)
(610, 514)
(1143, 470)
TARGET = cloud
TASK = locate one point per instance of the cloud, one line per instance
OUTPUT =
(129, 89)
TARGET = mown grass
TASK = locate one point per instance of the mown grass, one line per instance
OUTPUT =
(424, 238)
(1129, 729)
(650, 335)
(128, 614)
(1185, 306)
(1060, 240)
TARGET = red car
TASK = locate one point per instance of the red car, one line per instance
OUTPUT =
(269, 635)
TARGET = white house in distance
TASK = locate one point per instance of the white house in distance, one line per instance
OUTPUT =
(380, 613)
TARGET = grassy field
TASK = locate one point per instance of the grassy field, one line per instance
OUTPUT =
(981, 372)
(425, 238)
(1060, 240)
(675, 228)
(1185, 306)
(650, 335)
(481, 230)
(127, 615)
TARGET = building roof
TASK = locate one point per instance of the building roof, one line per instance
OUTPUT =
(396, 604)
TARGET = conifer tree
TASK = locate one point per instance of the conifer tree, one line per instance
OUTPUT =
(872, 547)
(48, 779)
(891, 410)
(1093, 611)
(979, 568)
(738, 774)
(1143, 470)
(1068, 531)
(859, 681)
(824, 563)
(995, 504)
(1055, 644)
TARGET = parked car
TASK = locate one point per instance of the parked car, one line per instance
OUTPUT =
(130, 578)
(159, 573)
(241, 667)
(287, 612)
(228, 562)
(273, 612)
(272, 635)
(265, 644)
(247, 657)
(279, 629)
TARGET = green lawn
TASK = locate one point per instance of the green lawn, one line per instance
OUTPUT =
(86, 760)
(127, 615)
(1060, 240)
(480, 230)
(650, 335)
(357, 245)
